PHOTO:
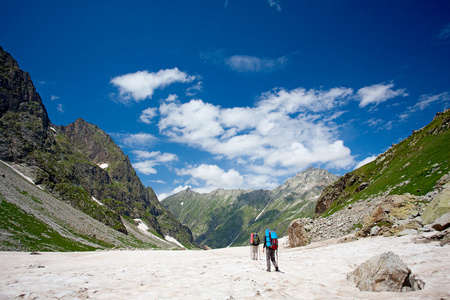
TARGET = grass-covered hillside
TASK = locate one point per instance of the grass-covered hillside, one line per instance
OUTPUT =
(412, 166)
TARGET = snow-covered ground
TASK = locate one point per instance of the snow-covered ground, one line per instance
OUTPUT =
(317, 271)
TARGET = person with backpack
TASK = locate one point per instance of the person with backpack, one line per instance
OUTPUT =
(254, 244)
(271, 244)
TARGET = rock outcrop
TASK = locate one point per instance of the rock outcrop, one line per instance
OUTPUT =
(297, 234)
(385, 273)
(387, 215)
(438, 207)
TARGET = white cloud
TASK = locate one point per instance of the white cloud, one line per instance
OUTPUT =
(192, 123)
(148, 115)
(275, 4)
(138, 140)
(176, 190)
(193, 90)
(145, 167)
(245, 63)
(213, 177)
(142, 84)
(60, 108)
(365, 161)
(425, 101)
(288, 129)
(53, 98)
(378, 93)
(151, 159)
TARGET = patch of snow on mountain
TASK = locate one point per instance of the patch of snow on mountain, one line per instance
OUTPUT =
(20, 173)
(141, 225)
(173, 240)
(103, 166)
(96, 200)
(261, 213)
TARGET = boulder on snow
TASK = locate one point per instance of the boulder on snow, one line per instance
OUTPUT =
(385, 273)
(441, 223)
(297, 234)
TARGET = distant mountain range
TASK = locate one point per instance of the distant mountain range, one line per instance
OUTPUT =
(227, 217)
(78, 163)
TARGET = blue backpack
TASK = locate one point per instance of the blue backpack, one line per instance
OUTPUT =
(271, 239)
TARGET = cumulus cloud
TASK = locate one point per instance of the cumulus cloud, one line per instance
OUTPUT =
(365, 161)
(60, 108)
(378, 93)
(287, 129)
(151, 159)
(212, 177)
(142, 84)
(148, 115)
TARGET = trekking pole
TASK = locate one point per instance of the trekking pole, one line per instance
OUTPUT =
(278, 262)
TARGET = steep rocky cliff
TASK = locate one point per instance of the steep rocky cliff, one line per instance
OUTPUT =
(78, 163)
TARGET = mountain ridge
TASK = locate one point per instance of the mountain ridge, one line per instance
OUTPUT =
(214, 216)
(78, 163)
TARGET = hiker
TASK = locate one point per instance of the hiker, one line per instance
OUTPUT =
(271, 244)
(254, 244)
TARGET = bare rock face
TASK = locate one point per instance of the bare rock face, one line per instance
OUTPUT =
(442, 223)
(439, 206)
(297, 234)
(385, 273)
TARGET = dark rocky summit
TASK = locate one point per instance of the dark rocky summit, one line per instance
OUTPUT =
(76, 163)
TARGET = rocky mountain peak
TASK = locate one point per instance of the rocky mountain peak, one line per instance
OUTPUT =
(307, 180)
(78, 163)
(23, 117)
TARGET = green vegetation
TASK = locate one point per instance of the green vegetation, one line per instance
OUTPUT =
(27, 233)
(413, 166)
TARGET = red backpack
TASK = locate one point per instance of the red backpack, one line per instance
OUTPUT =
(271, 239)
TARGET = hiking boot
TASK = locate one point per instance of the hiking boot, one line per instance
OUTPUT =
(277, 270)
(268, 270)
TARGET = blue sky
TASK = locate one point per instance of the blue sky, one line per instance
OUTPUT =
(237, 93)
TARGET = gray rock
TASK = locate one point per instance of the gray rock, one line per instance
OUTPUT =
(441, 223)
(375, 230)
(407, 232)
(385, 273)
(297, 234)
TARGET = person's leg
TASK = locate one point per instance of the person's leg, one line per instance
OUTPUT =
(272, 257)
(268, 259)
